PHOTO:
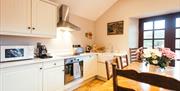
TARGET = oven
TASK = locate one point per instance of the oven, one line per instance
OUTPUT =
(73, 69)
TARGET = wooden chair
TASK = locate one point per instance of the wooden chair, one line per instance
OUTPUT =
(123, 61)
(149, 78)
(108, 65)
(132, 54)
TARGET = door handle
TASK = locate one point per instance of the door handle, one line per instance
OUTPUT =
(29, 27)
(33, 28)
(41, 68)
(54, 63)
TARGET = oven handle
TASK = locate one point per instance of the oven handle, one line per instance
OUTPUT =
(73, 62)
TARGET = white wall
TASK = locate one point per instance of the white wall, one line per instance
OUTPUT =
(133, 33)
(129, 11)
(63, 42)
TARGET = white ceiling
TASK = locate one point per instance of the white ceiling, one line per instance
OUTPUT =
(90, 9)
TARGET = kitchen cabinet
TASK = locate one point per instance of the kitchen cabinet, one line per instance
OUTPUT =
(28, 18)
(102, 57)
(44, 19)
(102, 70)
(15, 16)
(53, 76)
(21, 78)
(90, 66)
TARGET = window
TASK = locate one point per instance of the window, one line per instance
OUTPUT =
(154, 32)
(177, 39)
(160, 31)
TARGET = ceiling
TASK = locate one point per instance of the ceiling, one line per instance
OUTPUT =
(90, 9)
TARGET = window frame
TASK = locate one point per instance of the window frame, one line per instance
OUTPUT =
(153, 31)
(169, 37)
(178, 49)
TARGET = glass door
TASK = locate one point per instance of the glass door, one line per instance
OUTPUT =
(177, 45)
(154, 34)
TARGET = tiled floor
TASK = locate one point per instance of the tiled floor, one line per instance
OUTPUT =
(91, 86)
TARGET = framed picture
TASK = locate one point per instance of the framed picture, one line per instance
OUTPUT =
(115, 28)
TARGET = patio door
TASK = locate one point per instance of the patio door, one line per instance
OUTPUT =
(160, 31)
(177, 39)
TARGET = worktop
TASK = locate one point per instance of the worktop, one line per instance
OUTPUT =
(48, 74)
(39, 60)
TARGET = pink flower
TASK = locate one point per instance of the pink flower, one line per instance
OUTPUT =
(168, 53)
(139, 52)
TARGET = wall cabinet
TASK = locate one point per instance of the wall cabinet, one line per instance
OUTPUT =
(44, 19)
(15, 16)
(28, 18)
(21, 78)
(90, 66)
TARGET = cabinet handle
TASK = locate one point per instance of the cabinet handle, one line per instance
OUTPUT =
(33, 28)
(62, 70)
(54, 63)
(40, 68)
(29, 27)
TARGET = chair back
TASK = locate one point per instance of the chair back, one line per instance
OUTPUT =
(108, 64)
(123, 61)
(132, 54)
(149, 78)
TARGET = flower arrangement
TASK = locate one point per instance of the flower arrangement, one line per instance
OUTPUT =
(160, 56)
(139, 53)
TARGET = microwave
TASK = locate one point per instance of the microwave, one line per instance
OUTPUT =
(16, 53)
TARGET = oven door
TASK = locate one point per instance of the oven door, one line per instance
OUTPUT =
(73, 71)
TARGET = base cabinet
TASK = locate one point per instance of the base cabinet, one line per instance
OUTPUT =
(21, 78)
(90, 66)
(53, 79)
(102, 57)
(102, 70)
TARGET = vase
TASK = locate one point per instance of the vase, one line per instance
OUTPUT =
(172, 63)
(161, 69)
(154, 68)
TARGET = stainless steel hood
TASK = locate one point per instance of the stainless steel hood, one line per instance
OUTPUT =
(63, 22)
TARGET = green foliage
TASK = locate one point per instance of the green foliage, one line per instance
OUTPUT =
(161, 61)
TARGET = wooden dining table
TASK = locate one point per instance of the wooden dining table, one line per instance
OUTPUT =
(173, 72)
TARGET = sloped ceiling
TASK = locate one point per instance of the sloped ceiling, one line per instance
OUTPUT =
(90, 9)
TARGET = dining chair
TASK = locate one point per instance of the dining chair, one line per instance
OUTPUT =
(132, 54)
(149, 78)
(123, 61)
(108, 64)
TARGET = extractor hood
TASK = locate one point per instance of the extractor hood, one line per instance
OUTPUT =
(63, 22)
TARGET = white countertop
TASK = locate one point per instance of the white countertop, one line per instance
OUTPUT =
(55, 58)
(39, 60)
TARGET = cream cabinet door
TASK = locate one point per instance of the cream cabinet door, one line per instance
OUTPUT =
(94, 63)
(44, 19)
(53, 79)
(21, 78)
(90, 66)
(86, 68)
(15, 17)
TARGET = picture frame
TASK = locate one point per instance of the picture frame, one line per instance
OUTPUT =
(115, 28)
